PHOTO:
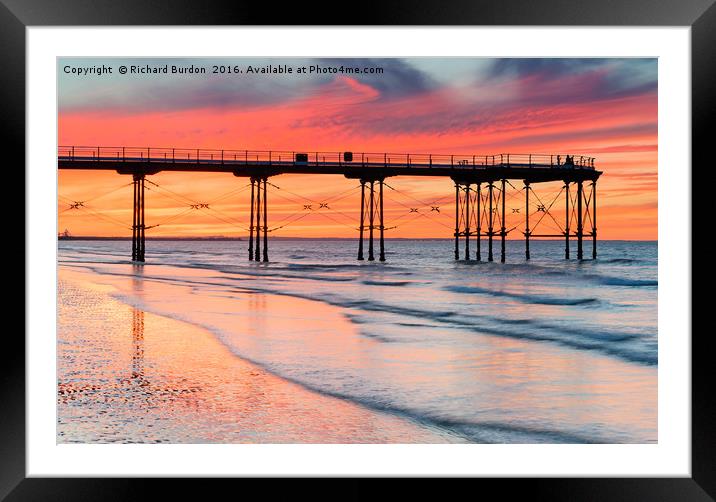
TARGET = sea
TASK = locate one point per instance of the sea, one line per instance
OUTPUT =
(541, 351)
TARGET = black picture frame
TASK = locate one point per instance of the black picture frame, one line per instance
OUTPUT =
(17, 15)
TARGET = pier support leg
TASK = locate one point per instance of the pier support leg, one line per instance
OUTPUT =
(251, 221)
(490, 229)
(594, 220)
(457, 221)
(138, 227)
(467, 222)
(503, 232)
(382, 227)
(566, 222)
(371, 221)
(362, 219)
(142, 226)
(580, 230)
(257, 248)
(478, 197)
(134, 220)
(527, 221)
(265, 257)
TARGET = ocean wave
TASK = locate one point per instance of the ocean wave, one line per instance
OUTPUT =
(619, 260)
(538, 299)
(618, 281)
(582, 339)
(274, 274)
(534, 270)
(604, 341)
(369, 282)
(473, 431)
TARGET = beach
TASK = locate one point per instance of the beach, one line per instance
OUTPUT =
(200, 346)
(166, 381)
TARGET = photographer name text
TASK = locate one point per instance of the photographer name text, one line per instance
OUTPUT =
(270, 69)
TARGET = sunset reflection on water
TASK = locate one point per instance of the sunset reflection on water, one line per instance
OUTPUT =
(202, 356)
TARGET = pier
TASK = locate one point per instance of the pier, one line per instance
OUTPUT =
(481, 185)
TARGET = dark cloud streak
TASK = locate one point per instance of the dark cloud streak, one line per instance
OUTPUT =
(399, 78)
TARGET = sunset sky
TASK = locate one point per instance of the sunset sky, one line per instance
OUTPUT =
(605, 108)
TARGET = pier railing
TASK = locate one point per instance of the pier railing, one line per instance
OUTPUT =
(315, 159)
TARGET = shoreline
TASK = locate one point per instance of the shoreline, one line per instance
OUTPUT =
(128, 375)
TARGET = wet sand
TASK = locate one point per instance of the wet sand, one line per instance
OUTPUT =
(126, 375)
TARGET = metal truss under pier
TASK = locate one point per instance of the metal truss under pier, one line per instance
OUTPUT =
(480, 213)
(257, 210)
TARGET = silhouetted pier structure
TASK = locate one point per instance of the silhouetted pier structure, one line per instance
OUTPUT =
(480, 188)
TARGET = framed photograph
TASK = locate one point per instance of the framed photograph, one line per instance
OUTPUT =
(446, 241)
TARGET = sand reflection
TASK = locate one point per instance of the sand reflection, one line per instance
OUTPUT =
(183, 386)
